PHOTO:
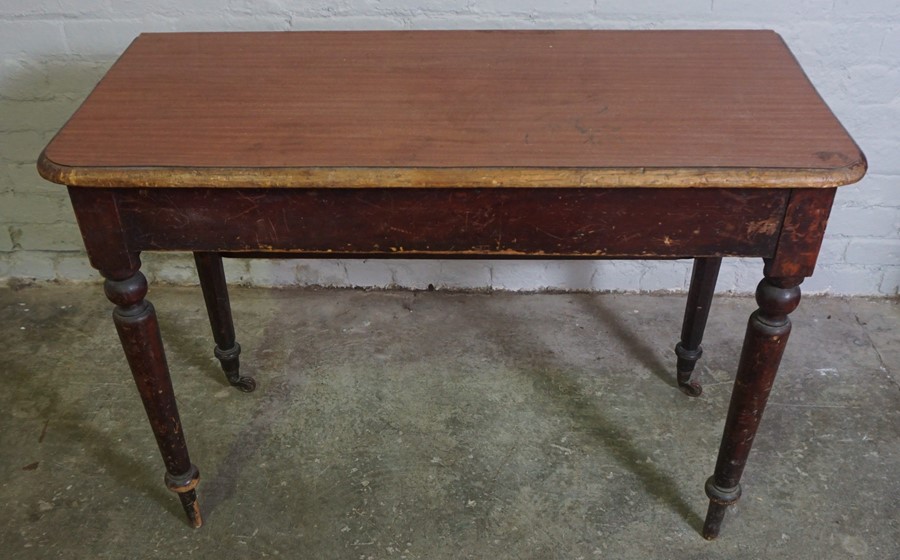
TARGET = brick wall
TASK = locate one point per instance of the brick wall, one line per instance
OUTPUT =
(53, 52)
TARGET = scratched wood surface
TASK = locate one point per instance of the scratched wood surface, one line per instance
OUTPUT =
(544, 222)
(455, 108)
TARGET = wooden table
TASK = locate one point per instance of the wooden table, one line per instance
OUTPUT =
(519, 144)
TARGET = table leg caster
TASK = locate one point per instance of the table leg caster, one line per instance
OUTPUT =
(696, 311)
(231, 365)
(218, 306)
(685, 370)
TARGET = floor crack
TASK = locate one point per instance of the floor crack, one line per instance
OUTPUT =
(881, 362)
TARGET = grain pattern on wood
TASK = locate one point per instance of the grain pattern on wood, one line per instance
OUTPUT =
(460, 222)
(460, 108)
(103, 232)
(802, 233)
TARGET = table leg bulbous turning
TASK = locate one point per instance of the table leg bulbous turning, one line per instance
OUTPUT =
(767, 334)
(218, 307)
(138, 329)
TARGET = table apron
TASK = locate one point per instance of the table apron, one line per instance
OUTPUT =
(490, 222)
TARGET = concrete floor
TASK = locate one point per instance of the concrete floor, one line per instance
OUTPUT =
(412, 425)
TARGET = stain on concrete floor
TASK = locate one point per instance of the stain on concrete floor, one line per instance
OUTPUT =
(414, 425)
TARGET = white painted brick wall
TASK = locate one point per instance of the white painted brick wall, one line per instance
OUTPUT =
(53, 52)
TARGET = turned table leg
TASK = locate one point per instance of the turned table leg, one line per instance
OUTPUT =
(764, 343)
(138, 329)
(218, 307)
(700, 295)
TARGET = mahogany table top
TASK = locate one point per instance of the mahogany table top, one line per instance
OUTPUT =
(455, 108)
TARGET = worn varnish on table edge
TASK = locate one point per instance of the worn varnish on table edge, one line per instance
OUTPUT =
(449, 177)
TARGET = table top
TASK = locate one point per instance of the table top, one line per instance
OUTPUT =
(455, 108)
